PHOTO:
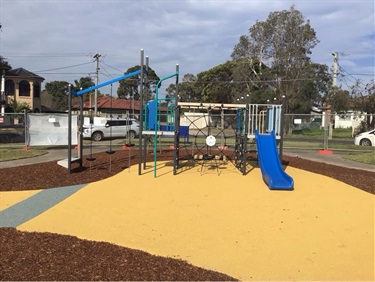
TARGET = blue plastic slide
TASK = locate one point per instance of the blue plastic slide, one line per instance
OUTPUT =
(268, 157)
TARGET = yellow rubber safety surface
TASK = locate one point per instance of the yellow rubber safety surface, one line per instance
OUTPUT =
(8, 199)
(323, 230)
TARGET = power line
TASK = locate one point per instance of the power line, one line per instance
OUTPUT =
(352, 76)
(107, 73)
(64, 55)
(72, 66)
(112, 67)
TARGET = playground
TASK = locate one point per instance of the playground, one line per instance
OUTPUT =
(227, 223)
(206, 188)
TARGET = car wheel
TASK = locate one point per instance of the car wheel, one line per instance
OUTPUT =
(131, 134)
(97, 136)
(365, 142)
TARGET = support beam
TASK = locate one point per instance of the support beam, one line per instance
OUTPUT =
(81, 92)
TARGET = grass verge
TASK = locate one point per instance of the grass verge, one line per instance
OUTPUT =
(8, 154)
(367, 158)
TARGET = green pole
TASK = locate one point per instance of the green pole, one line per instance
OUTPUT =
(157, 118)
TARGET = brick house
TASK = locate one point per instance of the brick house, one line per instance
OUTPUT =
(23, 86)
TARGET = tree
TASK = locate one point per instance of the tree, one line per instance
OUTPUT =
(363, 98)
(83, 83)
(4, 65)
(19, 107)
(187, 91)
(129, 88)
(251, 78)
(340, 100)
(215, 84)
(58, 90)
(284, 42)
(313, 90)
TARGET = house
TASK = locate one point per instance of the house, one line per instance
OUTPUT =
(349, 119)
(23, 86)
(108, 106)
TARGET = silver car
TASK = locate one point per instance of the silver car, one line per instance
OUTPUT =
(113, 128)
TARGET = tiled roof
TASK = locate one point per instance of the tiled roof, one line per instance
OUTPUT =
(104, 102)
(21, 72)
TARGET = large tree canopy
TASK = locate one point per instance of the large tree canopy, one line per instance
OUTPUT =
(187, 91)
(129, 88)
(215, 84)
(283, 42)
(58, 91)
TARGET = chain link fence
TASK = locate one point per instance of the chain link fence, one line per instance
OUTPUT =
(305, 131)
(336, 131)
(13, 129)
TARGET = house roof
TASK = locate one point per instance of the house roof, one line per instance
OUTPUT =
(106, 102)
(21, 72)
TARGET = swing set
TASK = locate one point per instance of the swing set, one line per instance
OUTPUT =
(142, 73)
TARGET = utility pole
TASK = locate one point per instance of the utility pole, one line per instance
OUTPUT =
(96, 57)
(335, 61)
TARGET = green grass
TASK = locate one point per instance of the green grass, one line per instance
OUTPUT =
(7, 154)
(310, 132)
(367, 158)
(313, 132)
(332, 145)
(342, 133)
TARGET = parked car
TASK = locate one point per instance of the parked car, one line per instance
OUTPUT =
(365, 138)
(113, 128)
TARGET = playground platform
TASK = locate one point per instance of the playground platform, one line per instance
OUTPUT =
(323, 230)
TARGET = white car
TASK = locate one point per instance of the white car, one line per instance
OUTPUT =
(365, 138)
(113, 128)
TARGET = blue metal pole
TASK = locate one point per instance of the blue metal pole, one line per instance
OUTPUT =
(156, 118)
(106, 83)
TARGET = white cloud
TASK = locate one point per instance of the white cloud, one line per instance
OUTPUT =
(197, 34)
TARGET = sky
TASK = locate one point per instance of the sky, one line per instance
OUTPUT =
(57, 39)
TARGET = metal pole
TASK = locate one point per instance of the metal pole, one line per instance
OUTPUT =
(80, 131)
(69, 128)
(244, 140)
(97, 56)
(157, 119)
(2, 96)
(140, 116)
(145, 142)
(176, 127)
(282, 121)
